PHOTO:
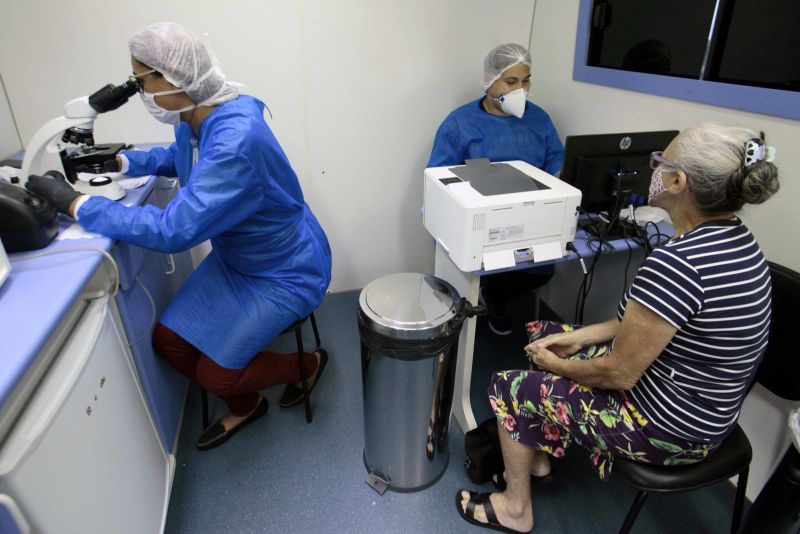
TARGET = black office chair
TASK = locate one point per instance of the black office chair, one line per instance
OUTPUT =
(297, 328)
(778, 373)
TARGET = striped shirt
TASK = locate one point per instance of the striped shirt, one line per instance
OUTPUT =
(713, 285)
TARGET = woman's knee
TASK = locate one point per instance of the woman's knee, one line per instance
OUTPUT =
(165, 340)
(216, 379)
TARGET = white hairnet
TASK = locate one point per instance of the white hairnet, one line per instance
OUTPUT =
(184, 61)
(501, 58)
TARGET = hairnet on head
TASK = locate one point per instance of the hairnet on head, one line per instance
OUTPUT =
(500, 59)
(184, 61)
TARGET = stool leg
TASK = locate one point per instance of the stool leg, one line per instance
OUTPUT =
(633, 512)
(316, 332)
(303, 378)
(738, 505)
(204, 403)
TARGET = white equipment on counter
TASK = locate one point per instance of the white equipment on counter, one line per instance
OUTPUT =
(499, 214)
(76, 128)
(84, 455)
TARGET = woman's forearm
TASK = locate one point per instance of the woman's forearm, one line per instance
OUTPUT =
(598, 333)
(597, 372)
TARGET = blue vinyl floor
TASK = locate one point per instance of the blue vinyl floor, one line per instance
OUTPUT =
(282, 475)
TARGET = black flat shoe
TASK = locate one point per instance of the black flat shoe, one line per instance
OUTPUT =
(292, 394)
(215, 435)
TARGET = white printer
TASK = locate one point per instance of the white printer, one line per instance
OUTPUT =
(494, 215)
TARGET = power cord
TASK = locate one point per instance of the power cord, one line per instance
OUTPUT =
(571, 246)
(148, 331)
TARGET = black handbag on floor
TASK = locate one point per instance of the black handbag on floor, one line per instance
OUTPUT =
(484, 456)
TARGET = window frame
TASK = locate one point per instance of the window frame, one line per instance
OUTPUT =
(768, 101)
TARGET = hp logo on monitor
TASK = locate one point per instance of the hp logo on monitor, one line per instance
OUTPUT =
(625, 143)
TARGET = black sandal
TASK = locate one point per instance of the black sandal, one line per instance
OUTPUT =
(478, 499)
(215, 435)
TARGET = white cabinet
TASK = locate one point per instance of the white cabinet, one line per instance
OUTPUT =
(84, 456)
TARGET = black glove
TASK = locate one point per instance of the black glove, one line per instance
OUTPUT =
(53, 187)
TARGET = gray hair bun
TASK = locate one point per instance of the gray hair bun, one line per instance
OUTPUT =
(756, 184)
(713, 157)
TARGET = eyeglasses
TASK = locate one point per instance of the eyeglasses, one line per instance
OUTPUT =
(137, 79)
(657, 158)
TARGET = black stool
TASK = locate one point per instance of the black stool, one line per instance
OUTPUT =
(297, 328)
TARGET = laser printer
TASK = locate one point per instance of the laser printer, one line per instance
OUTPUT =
(494, 215)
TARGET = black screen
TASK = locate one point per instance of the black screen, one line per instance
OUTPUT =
(655, 37)
(612, 170)
(758, 44)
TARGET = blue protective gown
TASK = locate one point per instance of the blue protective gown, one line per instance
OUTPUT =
(270, 264)
(471, 132)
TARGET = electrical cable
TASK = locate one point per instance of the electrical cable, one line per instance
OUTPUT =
(660, 238)
(149, 329)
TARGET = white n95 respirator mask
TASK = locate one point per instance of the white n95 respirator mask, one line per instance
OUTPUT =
(513, 103)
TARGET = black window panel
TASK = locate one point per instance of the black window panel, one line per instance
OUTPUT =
(650, 35)
(758, 44)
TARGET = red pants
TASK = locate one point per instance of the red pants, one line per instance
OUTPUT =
(239, 388)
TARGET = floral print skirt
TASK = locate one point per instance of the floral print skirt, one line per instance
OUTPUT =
(548, 413)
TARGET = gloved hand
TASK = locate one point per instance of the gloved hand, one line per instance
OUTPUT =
(53, 187)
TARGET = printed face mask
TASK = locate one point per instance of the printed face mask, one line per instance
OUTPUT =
(656, 185)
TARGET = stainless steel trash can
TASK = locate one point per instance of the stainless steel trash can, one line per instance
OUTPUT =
(409, 325)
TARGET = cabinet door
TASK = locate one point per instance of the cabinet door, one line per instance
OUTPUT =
(152, 279)
(85, 456)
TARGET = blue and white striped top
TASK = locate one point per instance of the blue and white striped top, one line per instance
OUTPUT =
(713, 285)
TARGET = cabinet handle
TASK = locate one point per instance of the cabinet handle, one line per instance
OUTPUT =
(171, 263)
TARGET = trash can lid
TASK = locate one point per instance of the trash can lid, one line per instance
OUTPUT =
(409, 305)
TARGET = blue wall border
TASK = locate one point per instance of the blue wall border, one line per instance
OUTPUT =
(756, 99)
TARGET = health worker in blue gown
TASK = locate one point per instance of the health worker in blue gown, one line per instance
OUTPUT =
(270, 262)
(502, 125)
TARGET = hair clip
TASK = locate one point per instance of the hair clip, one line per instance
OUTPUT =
(753, 151)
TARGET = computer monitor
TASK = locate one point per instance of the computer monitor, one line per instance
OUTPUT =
(612, 170)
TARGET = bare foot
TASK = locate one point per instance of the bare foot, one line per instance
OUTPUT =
(519, 518)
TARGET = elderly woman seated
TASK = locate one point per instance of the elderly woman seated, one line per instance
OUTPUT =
(664, 381)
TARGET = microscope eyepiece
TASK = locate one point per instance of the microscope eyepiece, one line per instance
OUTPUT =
(112, 96)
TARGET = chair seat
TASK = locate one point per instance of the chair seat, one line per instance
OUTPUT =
(732, 457)
(294, 326)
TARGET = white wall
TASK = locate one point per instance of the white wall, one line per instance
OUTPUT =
(9, 139)
(357, 90)
(581, 108)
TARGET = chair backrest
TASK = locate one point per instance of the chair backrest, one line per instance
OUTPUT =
(779, 372)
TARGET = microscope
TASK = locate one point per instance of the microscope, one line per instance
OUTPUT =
(27, 222)
(76, 127)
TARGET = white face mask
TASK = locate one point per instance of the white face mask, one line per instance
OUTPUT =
(656, 185)
(167, 116)
(513, 103)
